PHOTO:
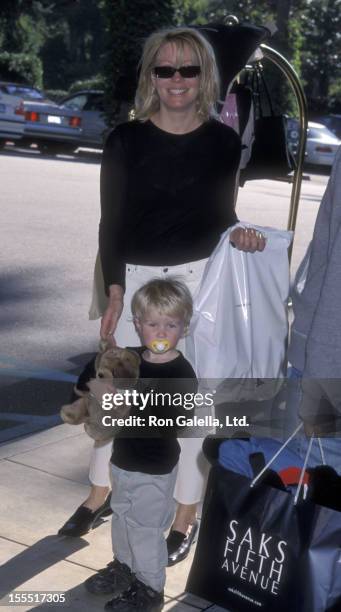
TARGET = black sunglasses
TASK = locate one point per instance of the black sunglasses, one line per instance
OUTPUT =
(167, 72)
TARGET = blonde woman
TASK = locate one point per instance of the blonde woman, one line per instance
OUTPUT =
(168, 184)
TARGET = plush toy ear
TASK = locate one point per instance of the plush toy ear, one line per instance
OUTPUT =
(112, 351)
(103, 346)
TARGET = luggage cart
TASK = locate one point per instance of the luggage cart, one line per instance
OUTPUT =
(234, 45)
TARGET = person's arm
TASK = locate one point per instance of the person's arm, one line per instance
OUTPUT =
(231, 151)
(113, 193)
(112, 313)
(111, 232)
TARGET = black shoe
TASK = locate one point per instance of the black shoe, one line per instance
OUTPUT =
(85, 519)
(139, 596)
(113, 579)
(179, 544)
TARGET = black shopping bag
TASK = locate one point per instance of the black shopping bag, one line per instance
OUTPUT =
(270, 156)
(258, 551)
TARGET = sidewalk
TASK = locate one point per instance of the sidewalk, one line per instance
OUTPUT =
(43, 478)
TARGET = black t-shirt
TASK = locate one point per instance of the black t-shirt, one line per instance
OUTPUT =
(165, 198)
(155, 449)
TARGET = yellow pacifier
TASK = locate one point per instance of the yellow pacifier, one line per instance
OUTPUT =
(159, 346)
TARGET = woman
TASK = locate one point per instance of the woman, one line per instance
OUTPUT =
(168, 183)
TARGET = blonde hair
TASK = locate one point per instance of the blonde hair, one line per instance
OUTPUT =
(168, 296)
(147, 100)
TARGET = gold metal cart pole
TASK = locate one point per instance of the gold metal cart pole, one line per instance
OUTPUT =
(287, 69)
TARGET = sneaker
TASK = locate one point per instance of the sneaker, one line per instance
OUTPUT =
(113, 579)
(139, 596)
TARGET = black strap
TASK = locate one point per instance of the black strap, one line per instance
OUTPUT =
(259, 88)
(257, 462)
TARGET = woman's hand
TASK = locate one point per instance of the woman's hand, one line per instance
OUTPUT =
(247, 239)
(112, 314)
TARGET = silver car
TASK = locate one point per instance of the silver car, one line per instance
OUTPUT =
(321, 145)
(90, 104)
(52, 128)
(12, 120)
(332, 122)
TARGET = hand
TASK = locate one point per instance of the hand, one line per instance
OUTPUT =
(248, 239)
(109, 321)
(112, 314)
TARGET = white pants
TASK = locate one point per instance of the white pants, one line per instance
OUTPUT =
(192, 464)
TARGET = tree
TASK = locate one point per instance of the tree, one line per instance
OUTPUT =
(23, 29)
(305, 28)
(322, 53)
(74, 45)
(128, 25)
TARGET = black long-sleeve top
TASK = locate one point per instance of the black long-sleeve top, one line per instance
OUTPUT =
(165, 198)
(149, 448)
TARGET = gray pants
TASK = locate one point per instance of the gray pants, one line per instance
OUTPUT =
(143, 509)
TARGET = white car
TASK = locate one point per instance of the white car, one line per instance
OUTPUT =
(321, 145)
(12, 118)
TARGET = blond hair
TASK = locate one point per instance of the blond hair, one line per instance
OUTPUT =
(147, 100)
(168, 296)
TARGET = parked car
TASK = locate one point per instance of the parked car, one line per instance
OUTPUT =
(52, 128)
(332, 122)
(55, 129)
(90, 104)
(21, 90)
(321, 145)
(12, 120)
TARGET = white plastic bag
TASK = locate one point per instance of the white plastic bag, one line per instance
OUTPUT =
(240, 325)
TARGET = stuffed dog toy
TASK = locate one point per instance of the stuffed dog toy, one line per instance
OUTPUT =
(114, 369)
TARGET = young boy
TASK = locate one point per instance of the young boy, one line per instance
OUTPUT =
(144, 459)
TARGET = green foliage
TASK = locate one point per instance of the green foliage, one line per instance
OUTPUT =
(21, 40)
(21, 67)
(56, 94)
(322, 55)
(96, 82)
(127, 25)
(190, 12)
(334, 99)
(72, 44)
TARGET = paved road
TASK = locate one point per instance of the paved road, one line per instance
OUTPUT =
(50, 214)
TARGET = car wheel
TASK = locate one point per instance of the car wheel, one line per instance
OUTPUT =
(57, 148)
